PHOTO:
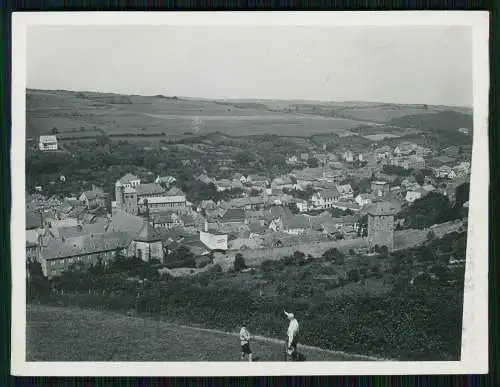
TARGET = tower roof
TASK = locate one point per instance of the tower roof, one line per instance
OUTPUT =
(148, 234)
(382, 208)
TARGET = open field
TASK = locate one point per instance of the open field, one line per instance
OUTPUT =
(83, 114)
(71, 334)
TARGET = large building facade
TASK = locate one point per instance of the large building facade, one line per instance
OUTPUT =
(133, 196)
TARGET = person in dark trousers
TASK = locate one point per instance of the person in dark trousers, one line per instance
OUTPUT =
(245, 344)
(292, 336)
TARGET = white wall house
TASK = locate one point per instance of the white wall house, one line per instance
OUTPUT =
(214, 241)
(411, 196)
(325, 198)
(48, 143)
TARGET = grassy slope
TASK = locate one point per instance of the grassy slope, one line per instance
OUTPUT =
(76, 116)
(60, 334)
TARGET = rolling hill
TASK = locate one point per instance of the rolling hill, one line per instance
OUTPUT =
(64, 334)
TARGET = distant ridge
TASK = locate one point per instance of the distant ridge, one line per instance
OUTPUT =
(256, 99)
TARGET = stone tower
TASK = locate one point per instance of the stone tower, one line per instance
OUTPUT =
(130, 203)
(381, 224)
(119, 195)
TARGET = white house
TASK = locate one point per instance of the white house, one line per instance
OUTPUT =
(325, 199)
(165, 180)
(224, 185)
(462, 169)
(364, 199)
(48, 143)
(345, 191)
(129, 180)
(213, 240)
(296, 225)
(442, 171)
(348, 156)
(302, 205)
(411, 196)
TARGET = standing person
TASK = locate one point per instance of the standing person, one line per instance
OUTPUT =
(245, 344)
(293, 336)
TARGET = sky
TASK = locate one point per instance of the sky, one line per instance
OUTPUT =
(423, 65)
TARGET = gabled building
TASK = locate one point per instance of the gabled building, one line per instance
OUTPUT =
(147, 245)
(59, 255)
(167, 219)
(167, 180)
(94, 198)
(443, 171)
(129, 180)
(296, 225)
(364, 199)
(345, 191)
(48, 143)
(380, 188)
(234, 216)
(411, 196)
(224, 185)
(325, 199)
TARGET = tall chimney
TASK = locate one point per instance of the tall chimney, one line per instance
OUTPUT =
(206, 225)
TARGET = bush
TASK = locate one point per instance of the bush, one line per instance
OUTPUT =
(333, 254)
(239, 262)
(353, 275)
(383, 251)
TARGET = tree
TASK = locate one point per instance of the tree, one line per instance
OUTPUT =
(383, 251)
(335, 255)
(462, 194)
(312, 162)
(293, 207)
(54, 130)
(239, 262)
(419, 177)
(431, 235)
(353, 275)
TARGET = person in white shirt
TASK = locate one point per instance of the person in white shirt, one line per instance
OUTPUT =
(245, 344)
(293, 336)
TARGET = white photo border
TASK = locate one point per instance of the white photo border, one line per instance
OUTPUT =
(474, 352)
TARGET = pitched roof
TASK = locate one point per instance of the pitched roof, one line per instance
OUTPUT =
(296, 222)
(48, 139)
(148, 234)
(129, 190)
(257, 228)
(188, 220)
(174, 191)
(33, 220)
(257, 178)
(128, 178)
(346, 188)
(90, 195)
(330, 193)
(382, 208)
(85, 244)
(149, 189)
(234, 215)
(239, 202)
(122, 221)
(163, 217)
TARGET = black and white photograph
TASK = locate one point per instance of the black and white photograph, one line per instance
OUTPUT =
(229, 194)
